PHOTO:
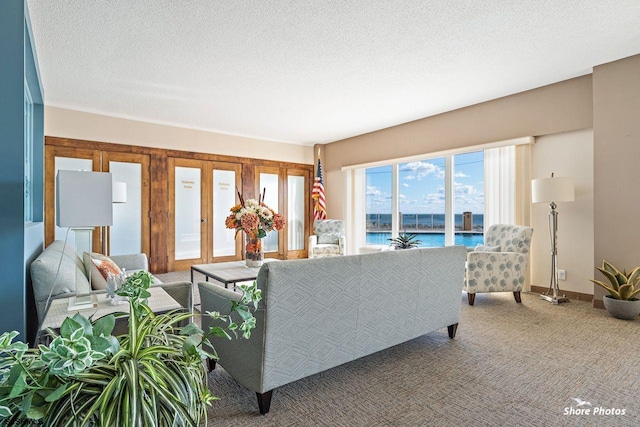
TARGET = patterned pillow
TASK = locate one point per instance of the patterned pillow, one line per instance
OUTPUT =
(105, 265)
(97, 281)
(483, 248)
(329, 238)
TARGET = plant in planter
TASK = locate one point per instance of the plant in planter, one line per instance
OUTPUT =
(405, 241)
(154, 375)
(621, 301)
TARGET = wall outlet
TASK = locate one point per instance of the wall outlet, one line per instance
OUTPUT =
(562, 274)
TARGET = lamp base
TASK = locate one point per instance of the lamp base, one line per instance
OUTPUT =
(83, 302)
(554, 300)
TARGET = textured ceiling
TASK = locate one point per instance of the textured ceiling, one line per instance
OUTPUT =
(312, 71)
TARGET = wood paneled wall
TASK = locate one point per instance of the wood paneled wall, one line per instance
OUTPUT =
(159, 173)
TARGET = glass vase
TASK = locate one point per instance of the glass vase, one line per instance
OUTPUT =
(254, 256)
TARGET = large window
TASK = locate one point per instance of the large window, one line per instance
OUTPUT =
(28, 154)
(416, 195)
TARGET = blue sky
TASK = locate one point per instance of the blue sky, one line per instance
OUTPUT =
(422, 186)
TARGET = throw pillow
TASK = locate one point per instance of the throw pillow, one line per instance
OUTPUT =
(329, 238)
(483, 248)
(105, 265)
(97, 281)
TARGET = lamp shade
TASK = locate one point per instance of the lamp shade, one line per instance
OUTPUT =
(119, 192)
(84, 199)
(554, 189)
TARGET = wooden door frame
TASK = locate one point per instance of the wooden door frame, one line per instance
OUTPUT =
(51, 152)
(145, 210)
(273, 170)
(299, 253)
(185, 264)
(237, 168)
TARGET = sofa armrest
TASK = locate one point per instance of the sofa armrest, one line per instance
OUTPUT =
(182, 292)
(242, 359)
(342, 243)
(313, 242)
(132, 261)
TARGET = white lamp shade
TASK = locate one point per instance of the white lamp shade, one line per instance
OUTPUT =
(84, 199)
(555, 189)
(119, 192)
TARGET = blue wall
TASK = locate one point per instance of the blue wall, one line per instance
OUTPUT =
(19, 241)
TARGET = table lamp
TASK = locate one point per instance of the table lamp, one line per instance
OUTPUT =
(84, 201)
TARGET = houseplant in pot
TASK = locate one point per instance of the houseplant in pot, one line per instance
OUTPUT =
(405, 241)
(153, 375)
(623, 287)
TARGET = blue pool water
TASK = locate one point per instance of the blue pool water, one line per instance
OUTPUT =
(469, 240)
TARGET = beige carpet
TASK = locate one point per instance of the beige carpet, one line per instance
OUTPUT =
(509, 365)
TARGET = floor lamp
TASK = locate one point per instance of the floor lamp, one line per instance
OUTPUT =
(84, 201)
(552, 190)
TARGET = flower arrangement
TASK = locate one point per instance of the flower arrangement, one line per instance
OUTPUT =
(254, 216)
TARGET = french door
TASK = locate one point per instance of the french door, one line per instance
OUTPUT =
(285, 191)
(201, 193)
(130, 232)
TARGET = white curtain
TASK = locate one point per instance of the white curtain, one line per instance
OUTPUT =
(355, 209)
(499, 186)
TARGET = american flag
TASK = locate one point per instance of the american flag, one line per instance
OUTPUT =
(317, 194)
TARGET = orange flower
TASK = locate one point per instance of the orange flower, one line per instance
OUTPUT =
(251, 247)
(236, 208)
(250, 221)
(230, 221)
(278, 221)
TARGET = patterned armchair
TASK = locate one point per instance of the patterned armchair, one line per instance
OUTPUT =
(500, 265)
(328, 238)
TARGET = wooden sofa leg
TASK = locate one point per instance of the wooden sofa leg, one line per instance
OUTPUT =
(452, 330)
(516, 295)
(471, 298)
(264, 401)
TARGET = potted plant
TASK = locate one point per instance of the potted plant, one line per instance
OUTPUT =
(621, 302)
(405, 241)
(154, 375)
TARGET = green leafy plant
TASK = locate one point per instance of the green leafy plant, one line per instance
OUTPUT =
(623, 285)
(405, 241)
(151, 376)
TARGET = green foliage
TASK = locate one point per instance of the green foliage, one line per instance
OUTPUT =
(405, 241)
(151, 376)
(622, 285)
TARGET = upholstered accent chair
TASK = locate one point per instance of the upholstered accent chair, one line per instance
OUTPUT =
(328, 238)
(501, 264)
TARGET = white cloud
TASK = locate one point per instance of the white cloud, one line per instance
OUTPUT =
(373, 191)
(419, 170)
(405, 185)
(460, 175)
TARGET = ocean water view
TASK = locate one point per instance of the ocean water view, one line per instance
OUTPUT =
(429, 240)
(418, 222)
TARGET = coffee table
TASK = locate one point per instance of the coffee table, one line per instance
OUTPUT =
(228, 272)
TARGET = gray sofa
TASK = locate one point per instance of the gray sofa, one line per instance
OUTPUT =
(44, 270)
(320, 313)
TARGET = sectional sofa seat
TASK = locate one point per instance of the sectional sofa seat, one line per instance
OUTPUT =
(53, 275)
(320, 313)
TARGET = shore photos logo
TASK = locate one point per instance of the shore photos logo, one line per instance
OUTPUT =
(583, 407)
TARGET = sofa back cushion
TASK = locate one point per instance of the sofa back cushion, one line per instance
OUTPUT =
(328, 231)
(322, 312)
(44, 268)
(511, 238)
